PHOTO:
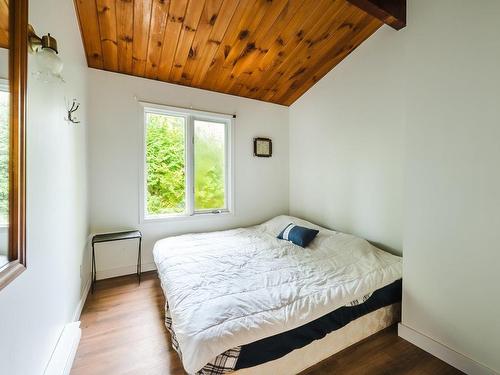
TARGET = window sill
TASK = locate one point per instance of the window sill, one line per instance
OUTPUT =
(186, 218)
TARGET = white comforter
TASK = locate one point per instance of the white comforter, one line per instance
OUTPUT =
(230, 288)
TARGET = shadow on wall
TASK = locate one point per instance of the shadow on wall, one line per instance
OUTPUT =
(379, 245)
(386, 248)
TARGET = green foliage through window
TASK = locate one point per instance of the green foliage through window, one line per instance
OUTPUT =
(167, 165)
(209, 154)
(4, 157)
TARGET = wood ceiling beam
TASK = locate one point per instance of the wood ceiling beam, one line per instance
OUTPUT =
(391, 12)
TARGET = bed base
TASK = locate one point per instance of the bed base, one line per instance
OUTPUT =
(319, 350)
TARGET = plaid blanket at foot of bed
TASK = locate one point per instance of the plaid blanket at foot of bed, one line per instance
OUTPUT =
(222, 364)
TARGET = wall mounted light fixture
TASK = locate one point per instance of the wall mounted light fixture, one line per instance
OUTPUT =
(44, 49)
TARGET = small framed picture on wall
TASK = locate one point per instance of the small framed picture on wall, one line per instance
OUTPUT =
(262, 147)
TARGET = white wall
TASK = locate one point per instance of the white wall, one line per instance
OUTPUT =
(346, 145)
(452, 236)
(427, 97)
(261, 184)
(35, 307)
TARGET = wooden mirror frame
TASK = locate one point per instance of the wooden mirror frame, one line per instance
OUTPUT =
(18, 71)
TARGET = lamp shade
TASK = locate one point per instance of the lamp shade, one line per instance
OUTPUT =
(49, 65)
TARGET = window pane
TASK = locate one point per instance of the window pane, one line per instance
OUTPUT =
(209, 165)
(165, 162)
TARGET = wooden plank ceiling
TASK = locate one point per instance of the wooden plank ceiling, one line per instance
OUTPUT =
(4, 24)
(271, 50)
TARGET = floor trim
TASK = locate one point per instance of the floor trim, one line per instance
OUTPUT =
(62, 358)
(81, 303)
(453, 358)
(122, 271)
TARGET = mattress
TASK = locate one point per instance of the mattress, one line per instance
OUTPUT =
(229, 289)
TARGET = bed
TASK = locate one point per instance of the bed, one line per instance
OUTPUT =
(244, 301)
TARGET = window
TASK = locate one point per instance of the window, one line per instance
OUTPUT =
(186, 163)
(4, 154)
(4, 172)
(12, 145)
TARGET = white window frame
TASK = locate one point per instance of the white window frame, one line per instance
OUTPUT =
(190, 116)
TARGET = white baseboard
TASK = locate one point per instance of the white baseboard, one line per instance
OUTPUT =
(62, 358)
(122, 271)
(453, 358)
(79, 307)
(64, 353)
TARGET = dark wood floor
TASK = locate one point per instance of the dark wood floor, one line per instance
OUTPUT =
(123, 333)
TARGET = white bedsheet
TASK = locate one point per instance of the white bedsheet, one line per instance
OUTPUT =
(230, 288)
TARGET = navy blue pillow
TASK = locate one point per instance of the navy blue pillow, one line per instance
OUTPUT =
(298, 235)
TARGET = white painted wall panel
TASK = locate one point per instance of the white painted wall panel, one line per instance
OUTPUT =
(36, 306)
(424, 100)
(346, 145)
(452, 236)
(261, 184)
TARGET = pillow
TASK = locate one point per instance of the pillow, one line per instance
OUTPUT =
(301, 236)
